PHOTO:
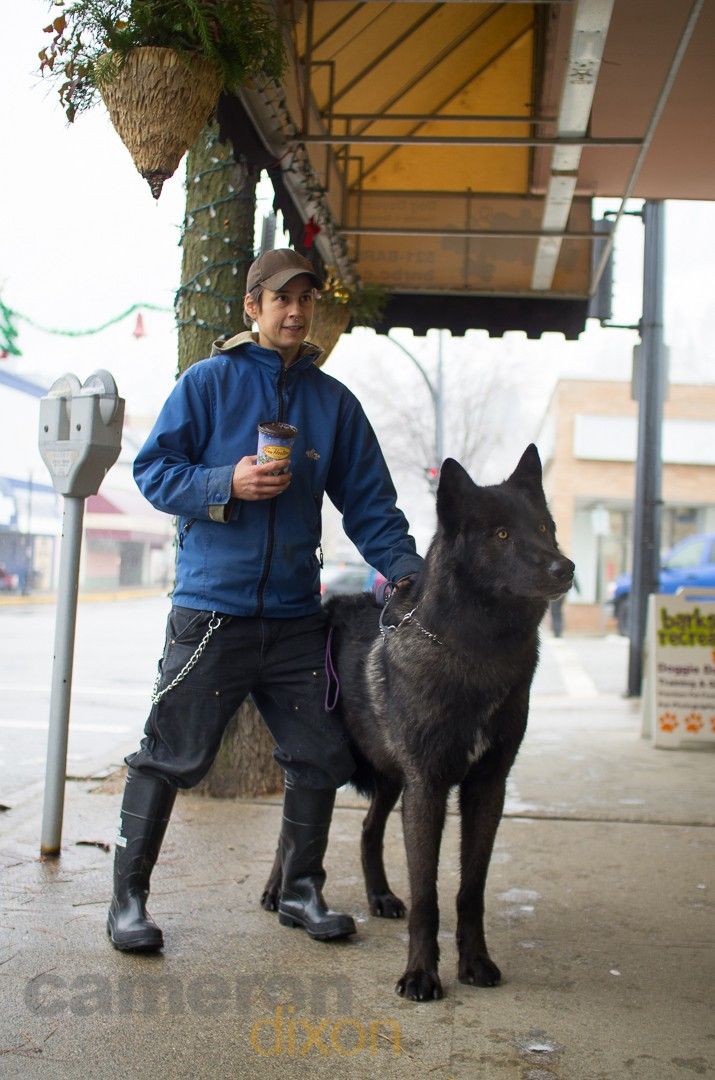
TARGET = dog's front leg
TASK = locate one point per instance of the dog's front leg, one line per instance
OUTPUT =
(423, 811)
(481, 801)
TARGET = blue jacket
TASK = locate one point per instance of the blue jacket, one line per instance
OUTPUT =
(260, 558)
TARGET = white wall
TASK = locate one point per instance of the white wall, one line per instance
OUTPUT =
(614, 438)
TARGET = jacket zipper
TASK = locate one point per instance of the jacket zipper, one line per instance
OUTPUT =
(272, 510)
(185, 532)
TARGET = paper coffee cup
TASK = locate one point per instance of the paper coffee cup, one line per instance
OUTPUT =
(275, 442)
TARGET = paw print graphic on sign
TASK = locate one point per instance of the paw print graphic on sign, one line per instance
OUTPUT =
(668, 721)
(693, 723)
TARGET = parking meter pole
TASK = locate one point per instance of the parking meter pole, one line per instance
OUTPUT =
(52, 814)
(79, 440)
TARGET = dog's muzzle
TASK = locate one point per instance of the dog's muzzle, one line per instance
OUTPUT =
(562, 572)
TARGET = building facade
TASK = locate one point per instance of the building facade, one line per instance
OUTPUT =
(588, 445)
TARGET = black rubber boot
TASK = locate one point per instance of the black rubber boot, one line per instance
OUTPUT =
(146, 808)
(304, 837)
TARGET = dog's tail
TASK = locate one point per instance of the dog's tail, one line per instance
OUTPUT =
(363, 779)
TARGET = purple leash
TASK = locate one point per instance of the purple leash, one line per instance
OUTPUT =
(332, 676)
(382, 592)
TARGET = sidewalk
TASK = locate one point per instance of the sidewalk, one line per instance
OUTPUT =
(598, 913)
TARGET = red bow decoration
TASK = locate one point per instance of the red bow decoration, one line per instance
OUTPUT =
(310, 231)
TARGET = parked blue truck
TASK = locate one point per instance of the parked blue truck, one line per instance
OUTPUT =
(689, 564)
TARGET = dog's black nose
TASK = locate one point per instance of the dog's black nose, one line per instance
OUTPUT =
(562, 570)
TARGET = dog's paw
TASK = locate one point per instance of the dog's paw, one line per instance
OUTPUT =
(420, 985)
(270, 898)
(386, 905)
(480, 971)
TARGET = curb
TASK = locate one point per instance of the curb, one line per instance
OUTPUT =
(83, 598)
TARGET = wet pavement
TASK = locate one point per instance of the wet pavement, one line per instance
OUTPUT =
(599, 913)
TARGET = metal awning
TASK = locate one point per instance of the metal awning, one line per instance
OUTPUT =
(451, 151)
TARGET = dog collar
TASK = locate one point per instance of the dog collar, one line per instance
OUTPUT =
(387, 629)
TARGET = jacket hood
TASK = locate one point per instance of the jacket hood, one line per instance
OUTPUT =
(248, 337)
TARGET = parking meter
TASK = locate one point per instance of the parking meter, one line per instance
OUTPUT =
(80, 438)
(81, 432)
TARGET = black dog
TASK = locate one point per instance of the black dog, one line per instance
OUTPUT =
(440, 697)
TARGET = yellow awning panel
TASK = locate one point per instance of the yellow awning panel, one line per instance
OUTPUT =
(375, 60)
(453, 149)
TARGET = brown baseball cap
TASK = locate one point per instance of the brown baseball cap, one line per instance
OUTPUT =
(274, 269)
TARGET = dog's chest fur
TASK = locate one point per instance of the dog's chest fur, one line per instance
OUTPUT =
(434, 706)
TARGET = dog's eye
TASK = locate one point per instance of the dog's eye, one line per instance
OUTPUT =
(542, 528)
(502, 534)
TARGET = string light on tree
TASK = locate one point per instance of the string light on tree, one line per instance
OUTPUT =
(220, 195)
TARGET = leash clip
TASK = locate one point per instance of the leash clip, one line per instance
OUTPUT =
(390, 628)
(385, 628)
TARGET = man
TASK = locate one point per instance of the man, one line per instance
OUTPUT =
(246, 615)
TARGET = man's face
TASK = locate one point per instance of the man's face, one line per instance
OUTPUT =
(285, 316)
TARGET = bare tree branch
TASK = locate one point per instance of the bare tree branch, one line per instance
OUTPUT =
(477, 396)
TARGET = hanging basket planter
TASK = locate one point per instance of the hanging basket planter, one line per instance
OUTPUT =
(158, 102)
(330, 320)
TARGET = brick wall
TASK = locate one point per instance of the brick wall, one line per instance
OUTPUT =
(567, 478)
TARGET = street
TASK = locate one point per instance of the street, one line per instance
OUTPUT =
(117, 647)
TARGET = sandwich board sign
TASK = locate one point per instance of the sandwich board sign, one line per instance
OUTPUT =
(679, 669)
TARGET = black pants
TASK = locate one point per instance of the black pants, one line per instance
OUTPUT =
(280, 663)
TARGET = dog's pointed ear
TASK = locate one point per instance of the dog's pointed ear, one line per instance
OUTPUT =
(528, 471)
(455, 484)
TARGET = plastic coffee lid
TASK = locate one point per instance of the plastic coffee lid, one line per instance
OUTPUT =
(281, 431)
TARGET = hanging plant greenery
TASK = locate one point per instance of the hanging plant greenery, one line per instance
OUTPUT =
(92, 39)
(339, 306)
(159, 66)
(365, 303)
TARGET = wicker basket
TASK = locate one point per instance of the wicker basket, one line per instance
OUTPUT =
(329, 322)
(159, 102)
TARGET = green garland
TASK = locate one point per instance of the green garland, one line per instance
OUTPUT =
(8, 331)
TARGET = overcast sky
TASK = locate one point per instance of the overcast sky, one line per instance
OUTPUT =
(81, 239)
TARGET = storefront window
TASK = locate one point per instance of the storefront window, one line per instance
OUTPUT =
(679, 522)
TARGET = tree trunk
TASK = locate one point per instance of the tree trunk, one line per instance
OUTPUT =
(244, 766)
(217, 239)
